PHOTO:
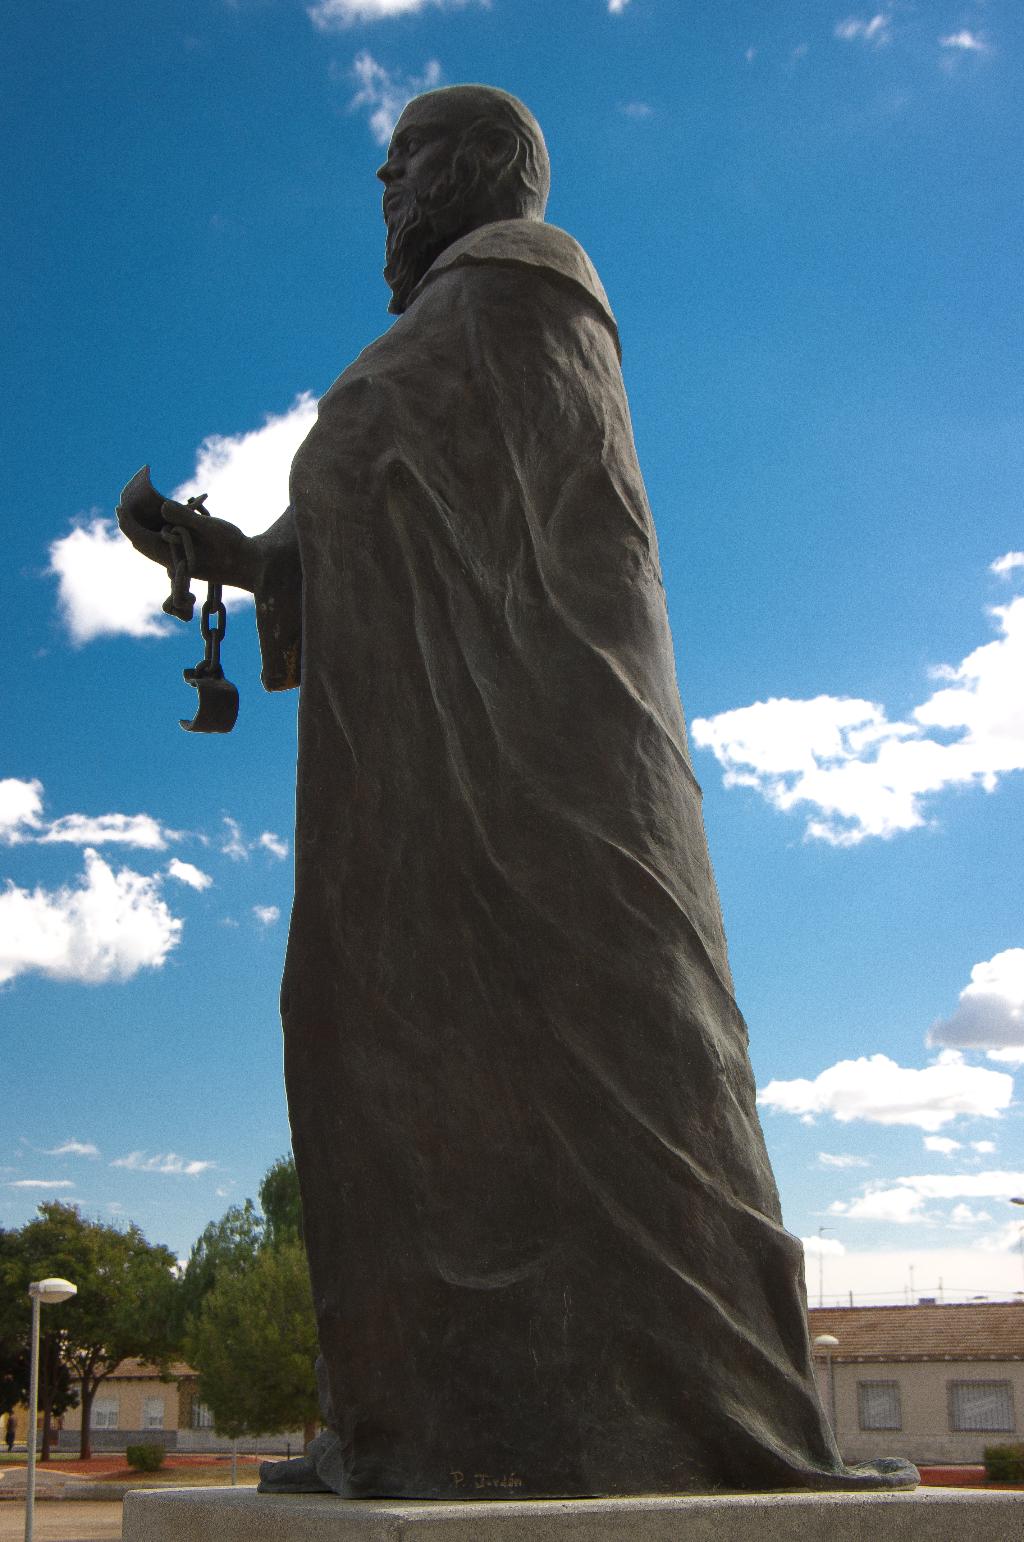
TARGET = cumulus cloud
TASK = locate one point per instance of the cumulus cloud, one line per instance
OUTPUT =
(41, 1183)
(963, 1215)
(871, 29)
(266, 915)
(876, 1089)
(274, 844)
(84, 1148)
(188, 873)
(904, 1200)
(826, 1159)
(21, 805)
(862, 774)
(965, 41)
(167, 1162)
(332, 15)
(983, 1147)
(616, 7)
(106, 829)
(233, 844)
(1008, 563)
(106, 588)
(383, 93)
(823, 1247)
(943, 1144)
(1013, 1056)
(899, 1205)
(107, 928)
(990, 1014)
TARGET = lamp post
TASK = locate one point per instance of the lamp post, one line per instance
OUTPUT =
(1018, 1199)
(43, 1293)
(826, 1343)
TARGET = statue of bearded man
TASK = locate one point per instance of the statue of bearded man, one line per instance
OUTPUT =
(544, 1240)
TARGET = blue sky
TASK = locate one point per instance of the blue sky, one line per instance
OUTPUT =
(808, 220)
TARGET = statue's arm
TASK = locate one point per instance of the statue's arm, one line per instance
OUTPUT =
(267, 565)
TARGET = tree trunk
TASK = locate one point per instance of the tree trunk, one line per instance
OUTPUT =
(309, 1430)
(88, 1393)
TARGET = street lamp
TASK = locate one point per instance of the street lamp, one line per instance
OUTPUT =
(1018, 1199)
(43, 1293)
(826, 1343)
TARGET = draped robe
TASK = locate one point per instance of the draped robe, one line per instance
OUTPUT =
(544, 1239)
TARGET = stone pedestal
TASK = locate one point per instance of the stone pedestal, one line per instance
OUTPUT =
(241, 1515)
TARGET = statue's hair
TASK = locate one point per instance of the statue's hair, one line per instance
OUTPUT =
(501, 155)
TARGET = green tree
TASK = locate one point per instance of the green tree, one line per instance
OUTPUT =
(282, 1206)
(56, 1391)
(254, 1345)
(230, 1245)
(126, 1301)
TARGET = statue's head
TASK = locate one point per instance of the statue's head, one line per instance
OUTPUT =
(459, 158)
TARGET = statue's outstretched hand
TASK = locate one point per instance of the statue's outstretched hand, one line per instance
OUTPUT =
(222, 553)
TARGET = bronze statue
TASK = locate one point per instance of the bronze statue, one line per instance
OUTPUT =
(544, 1239)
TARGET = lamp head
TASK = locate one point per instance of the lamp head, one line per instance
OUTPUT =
(50, 1292)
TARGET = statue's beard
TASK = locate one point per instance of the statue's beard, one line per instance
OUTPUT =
(419, 229)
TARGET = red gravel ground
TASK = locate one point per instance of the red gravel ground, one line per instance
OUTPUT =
(114, 1465)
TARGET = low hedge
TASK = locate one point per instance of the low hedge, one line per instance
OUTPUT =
(146, 1458)
(1004, 1464)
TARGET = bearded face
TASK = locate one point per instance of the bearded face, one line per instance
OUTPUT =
(421, 223)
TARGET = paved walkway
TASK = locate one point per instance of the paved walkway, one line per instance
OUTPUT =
(70, 1520)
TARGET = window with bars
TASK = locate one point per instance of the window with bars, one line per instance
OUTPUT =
(153, 1414)
(981, 1405)
(202, 1417)
(878, 1405)
(104, 1413)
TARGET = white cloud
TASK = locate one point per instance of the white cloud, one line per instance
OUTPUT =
(898, 1205)
(106, 829)
(826, 1159)
(616, 7)
(274, 844)
(383, 93)
(636, 110)
(74, 1148)
(332, 15)
(864, 775)
(21, 804)
(990, 1014)
(823, 1247)
(187, 873)
(42, 1183)
(105, 587)
(965, 42)
(1007, 564)
(876, 1089)
(903, 1200)
(108, 928)
(1012, 1055)
(168, 1162)
(954, 1273)
(266, 914)
(233, 845)
(1005, 1240)
(873, 29)
(963, 1215)
(983, 1147)
(943, 1144)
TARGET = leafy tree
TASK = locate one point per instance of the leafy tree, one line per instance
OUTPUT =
(282, 1206)
(56, 1391)
(230, 1244)
(254, 1345)
(125, 1304)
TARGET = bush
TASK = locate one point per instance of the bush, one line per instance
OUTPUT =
(148, 1458)
(1004, 1464)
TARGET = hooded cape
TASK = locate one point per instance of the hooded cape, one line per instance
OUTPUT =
(544, 1239)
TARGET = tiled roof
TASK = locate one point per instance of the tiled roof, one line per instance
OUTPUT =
(135, 1369)
(991, 1330)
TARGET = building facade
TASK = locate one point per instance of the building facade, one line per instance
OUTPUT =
(933, 1383)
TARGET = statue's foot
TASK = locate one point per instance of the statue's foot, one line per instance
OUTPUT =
(887, 1472)
(299, 1476)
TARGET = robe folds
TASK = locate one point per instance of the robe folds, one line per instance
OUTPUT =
(544, 1238)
